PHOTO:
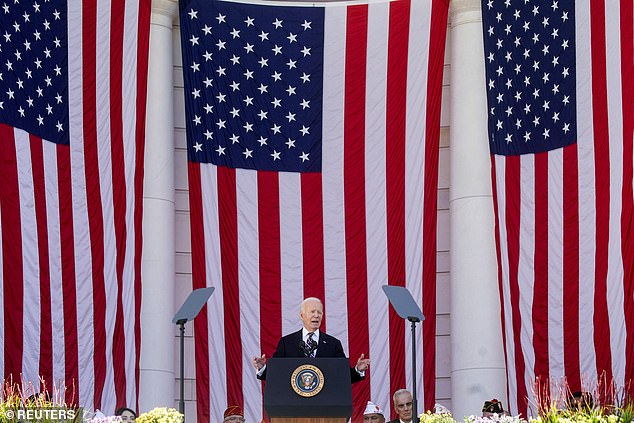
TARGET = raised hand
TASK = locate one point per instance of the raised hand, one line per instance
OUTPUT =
(259, 362)
(363, 363)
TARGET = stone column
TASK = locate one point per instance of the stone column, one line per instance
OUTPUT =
(157, 339)
(477, 370)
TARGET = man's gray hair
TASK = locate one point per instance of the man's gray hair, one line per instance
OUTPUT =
(310, 299)
(399, 393)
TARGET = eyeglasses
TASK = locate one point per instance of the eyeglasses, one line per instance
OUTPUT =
(234, 419)
(373, 417)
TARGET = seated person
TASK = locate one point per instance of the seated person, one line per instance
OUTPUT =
(127, 415)
(441, 409)
(233, 414)
(579, 401)
(40, 399)
(403, 406)
(493, 408)
(373, 413)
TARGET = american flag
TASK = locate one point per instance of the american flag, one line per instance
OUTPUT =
(72, 113)
(561, 113)
(313, 162)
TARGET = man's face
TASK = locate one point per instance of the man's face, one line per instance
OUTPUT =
(311, 315)
(403, 405)
(233, 419)
(373, 418)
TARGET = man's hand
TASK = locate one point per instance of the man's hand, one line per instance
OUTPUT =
(362, 364)
(259, 362)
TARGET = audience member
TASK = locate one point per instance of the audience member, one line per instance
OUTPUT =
(373, 413)
(233, 414)
(127, 415)
(493, 407)
(441, 409)
(403, 406)
(580, 401)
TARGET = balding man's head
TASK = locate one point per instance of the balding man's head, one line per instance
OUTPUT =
(311, 312)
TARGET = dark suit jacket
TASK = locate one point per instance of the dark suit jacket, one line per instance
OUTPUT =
(329, 347)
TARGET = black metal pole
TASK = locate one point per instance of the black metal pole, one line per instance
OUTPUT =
(181, 402)
(414, 402)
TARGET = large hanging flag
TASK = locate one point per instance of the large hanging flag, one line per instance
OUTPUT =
(72, 115)
(313, 160)
(561, 113)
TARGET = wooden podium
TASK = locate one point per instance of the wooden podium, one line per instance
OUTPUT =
(308, 390)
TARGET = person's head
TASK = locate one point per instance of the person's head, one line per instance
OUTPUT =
(403, 404)
(580, 401)
(127, 415)
(373, 413)
(39, 398)
(311, 312)
(441, 409)
(493, 407)
(233, 414)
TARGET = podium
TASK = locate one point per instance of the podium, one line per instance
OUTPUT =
(308, 390)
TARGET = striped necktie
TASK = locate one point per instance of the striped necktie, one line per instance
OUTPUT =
(309, 347)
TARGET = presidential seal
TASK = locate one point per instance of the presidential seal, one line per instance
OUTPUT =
(307, 380)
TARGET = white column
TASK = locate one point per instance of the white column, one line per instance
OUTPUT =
(477, 369)
(157, 309)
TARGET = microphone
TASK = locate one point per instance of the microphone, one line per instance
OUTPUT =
(302, 346)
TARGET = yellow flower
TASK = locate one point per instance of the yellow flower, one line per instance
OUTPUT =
(161, 415)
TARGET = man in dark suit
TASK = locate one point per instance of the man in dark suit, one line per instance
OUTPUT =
(403, 406)
(310, 342)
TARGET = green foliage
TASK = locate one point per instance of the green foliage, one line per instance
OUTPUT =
(626, 414)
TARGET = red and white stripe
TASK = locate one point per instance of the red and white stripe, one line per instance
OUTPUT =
(71, 224)
(267, 240)
(565, 227)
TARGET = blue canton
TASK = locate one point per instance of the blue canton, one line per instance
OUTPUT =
(34, 67)
(253, 84)
(530, 75)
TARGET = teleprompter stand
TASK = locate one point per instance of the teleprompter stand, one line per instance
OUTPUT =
(188, 311)
(406, 308)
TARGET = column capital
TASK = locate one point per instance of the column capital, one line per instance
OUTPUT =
(464, 11)
(166, 8)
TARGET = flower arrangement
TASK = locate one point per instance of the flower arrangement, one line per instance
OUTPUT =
(100, 418)
(161, 415)
(19, 401)
(553, 400)
(430, 417)
(601, 401)
(495, 418)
